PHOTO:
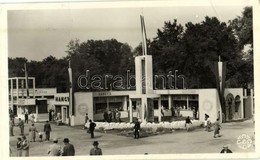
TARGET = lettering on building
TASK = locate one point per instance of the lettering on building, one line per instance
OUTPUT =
(62, 99)
(104, 94)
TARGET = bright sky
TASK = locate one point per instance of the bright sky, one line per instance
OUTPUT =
(37, 34)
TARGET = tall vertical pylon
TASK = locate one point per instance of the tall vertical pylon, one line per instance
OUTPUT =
(144, 44)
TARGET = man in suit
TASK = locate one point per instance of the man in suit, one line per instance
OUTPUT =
(95, 151)
(225, 149)
(92, 126)
(47, 130)
(21, 125)
(11, 127)
(68, 149)
(137, 129)
(55, 148)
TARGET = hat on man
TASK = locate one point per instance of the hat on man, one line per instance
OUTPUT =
(66, 140)
(225, 146)
(95, 143)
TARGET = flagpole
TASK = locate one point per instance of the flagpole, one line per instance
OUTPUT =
(144, 44)
(26, 81)
(71, 105)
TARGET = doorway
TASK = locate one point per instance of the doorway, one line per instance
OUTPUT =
(64, 111)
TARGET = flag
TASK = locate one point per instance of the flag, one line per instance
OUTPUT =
(219, 70)
(70, 76)
(71, 95)
(26, 81)
(144, 44)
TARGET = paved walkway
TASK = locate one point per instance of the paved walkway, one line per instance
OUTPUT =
(196, 141)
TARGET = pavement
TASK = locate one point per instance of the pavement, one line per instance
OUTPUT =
(178, 142)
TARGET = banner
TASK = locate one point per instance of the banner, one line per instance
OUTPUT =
(71, 95)
(26, 81)
(219, 70)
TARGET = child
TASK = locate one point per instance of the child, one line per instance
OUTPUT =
(40, 135)
(217, 128)
(188, 123)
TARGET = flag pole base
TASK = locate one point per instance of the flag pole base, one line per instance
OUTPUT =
(72, 120)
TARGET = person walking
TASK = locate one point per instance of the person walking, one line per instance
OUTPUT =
(68, 149)
(19, 147)
(47, 130)
(216, 128)
(55, 148)
(96, 150)
(136, 129)
(32, 117)
(207, 123)
(92, 126)
(32, 131)
(86, 120)
(26, 117)
(11, 127)
(25, 147)
(21, 125)
(188, 123)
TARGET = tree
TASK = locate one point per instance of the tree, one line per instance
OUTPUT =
(191, 50)
(96, 57)
(166, 50)
(16, 66)
(243, 30)
(243, 27)
(204, 42)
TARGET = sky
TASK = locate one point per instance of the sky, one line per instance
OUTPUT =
(38, 33)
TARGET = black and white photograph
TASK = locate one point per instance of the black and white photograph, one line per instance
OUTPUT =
(143, 79)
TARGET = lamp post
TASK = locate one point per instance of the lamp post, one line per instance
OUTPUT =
(183, 80)
(175, 78)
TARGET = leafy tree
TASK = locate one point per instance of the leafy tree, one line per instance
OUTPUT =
(243, 30)
(165, 48)
(108, 57)
(48, 73)
(204, 42)
(16, 66)
(243, 27)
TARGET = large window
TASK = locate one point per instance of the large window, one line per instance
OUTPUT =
(100, 108)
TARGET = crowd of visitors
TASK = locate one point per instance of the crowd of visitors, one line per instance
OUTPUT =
(55, 149)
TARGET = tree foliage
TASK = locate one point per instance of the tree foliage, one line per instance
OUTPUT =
(243, 30)
(108, 57)
(189, 49)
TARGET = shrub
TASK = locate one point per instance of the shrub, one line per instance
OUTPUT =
(160, 129)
